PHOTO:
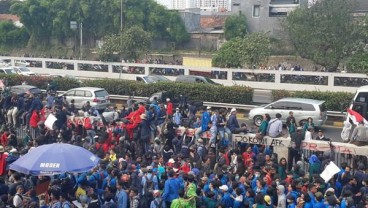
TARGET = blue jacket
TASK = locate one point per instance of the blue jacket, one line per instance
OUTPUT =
(36, 105)
(171, 190)
(20, 103)
(227, 200)
(122, 199)
(7, 103)
(205, 119)
(232, 123)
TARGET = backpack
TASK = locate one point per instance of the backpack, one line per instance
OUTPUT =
(148, 186)
(145, 200)
(184, 150)
(202, 151)
(158, 204)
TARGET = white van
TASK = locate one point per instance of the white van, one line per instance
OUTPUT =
(360, 101)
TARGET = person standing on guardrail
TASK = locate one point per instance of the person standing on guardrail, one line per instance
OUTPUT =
(222, 128)
(206, 117)
(295, 147)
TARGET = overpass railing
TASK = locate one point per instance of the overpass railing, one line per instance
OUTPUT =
(260, 79)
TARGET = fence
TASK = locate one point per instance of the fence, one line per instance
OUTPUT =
(258, 79)
(341, 152)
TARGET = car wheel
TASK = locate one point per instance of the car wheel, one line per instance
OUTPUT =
(302, 122)
(257, 120)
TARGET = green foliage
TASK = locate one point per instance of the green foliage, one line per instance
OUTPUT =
(131, 44)
(229, 54)
(204, 92)
(10, 35)
(41, 82)
(358, 63)
(44, 19)
(249, 51)
(324, 33)
(235, 26)
(135, 42)
(335, 101)
(110, 46)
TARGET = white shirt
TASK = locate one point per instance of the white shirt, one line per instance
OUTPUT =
(308, 136)
(18, 201)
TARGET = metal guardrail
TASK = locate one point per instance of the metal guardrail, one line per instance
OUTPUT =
(227, 105)
(221, 105)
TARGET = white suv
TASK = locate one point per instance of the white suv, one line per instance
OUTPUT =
(98, 97)
(302, 109)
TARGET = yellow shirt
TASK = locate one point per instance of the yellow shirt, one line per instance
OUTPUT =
(80, 192)
(113, 157)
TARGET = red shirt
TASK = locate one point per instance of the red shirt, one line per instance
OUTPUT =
(35, 118)
(4, 139)
(87, 123)
(169, 110)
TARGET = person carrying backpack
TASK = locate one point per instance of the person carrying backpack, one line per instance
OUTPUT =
(149, 182)
(157, 202)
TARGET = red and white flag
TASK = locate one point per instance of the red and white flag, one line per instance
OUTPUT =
(356, 117)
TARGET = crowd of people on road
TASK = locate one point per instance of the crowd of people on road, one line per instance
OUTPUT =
(167, 155)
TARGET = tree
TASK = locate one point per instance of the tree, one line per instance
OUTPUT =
(10, 35)
(324, 33)
(249, 51)
(46, 19)
(135, 42)
(130, 44)
(235, 26)
(358, 63)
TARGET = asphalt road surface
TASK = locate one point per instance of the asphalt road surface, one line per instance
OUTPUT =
(330, 131)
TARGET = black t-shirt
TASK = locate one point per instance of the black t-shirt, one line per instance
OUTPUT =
(13, 188)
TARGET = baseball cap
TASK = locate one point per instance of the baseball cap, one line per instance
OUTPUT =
(267, 199)
(224, 188)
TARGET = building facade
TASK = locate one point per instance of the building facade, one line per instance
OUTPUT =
(206, 5)
(266, 15)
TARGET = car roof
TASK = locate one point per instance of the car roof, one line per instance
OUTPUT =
(302, 100)
(363, 88)
(24, 86)
(88, 88)
(194, 76)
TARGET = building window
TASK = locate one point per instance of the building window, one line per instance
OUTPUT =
(256, 10)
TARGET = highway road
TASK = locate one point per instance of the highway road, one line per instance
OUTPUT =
(331, 132)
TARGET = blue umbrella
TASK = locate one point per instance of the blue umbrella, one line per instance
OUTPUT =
(53, 159)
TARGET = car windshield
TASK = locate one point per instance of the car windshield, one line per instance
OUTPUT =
(210, 80)
(24, 69)
(9, 71)
(101, 93)
(151, 79)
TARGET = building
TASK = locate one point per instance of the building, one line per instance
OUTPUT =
(266, 15)
(205, 5)
(214, 5)
(165, 3)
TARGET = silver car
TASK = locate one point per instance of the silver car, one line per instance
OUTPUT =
(98, 97)
(302, 109)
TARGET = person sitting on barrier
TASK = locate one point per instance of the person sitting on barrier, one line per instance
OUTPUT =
(233, 124)
(359, 136)
(308, 124)
(275, 127)
(321, 136)
(262, 130)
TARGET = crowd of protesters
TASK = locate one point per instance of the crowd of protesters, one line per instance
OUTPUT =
(166, 155)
